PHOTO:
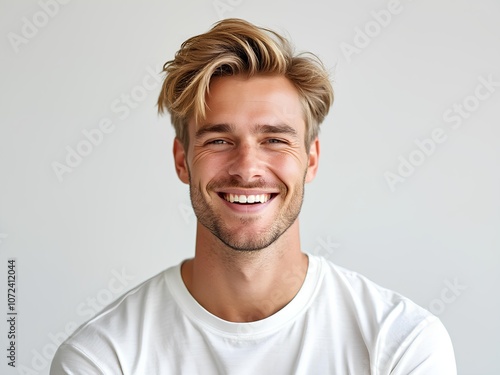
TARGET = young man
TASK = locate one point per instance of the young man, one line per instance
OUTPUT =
(246, 113)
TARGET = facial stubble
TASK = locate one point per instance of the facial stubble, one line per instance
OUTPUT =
(238, 241)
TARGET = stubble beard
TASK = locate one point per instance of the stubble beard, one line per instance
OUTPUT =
(238, 241)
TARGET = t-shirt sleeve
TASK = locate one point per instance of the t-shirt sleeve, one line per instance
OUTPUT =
(70, 360)
(428, 352)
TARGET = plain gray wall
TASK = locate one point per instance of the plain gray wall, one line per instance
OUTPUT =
(404, 72)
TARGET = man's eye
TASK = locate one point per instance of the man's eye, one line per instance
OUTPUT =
(274, 140)
(217, 142)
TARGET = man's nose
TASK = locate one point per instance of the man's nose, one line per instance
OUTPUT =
(247, 163)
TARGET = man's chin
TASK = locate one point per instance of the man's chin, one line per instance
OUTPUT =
(249, 241)
(246, 246)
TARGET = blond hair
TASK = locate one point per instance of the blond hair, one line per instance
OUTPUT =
(234, 46)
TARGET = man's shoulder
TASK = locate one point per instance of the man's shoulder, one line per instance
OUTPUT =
(392, 327)
(359, 286)
(119, 318)
(118, 330)
(375, 307)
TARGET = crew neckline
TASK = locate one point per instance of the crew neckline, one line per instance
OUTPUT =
(251, 330)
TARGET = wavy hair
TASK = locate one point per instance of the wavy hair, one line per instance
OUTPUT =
(231, 47)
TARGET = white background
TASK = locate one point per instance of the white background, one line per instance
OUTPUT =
(122, 210)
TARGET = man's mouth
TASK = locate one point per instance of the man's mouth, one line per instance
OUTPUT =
(246, 199)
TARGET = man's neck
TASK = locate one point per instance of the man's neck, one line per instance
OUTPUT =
(244, 286)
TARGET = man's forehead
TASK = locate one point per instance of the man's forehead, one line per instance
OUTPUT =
(271, 89)
(257, 111)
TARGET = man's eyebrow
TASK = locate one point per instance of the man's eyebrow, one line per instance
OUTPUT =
(259, 129)
(276, 129)
(214, 128)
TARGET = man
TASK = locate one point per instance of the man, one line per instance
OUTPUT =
(246, 113)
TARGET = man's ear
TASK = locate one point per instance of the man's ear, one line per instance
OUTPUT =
(180, 161)
(312, 167)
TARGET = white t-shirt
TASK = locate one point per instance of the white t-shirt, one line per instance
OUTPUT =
(338, 323)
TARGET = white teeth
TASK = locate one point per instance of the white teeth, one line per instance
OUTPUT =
(262, 198)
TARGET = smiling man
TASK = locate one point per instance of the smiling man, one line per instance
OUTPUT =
(246, 111)
(246, 164)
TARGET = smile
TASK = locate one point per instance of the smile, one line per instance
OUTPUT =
(246, 199)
